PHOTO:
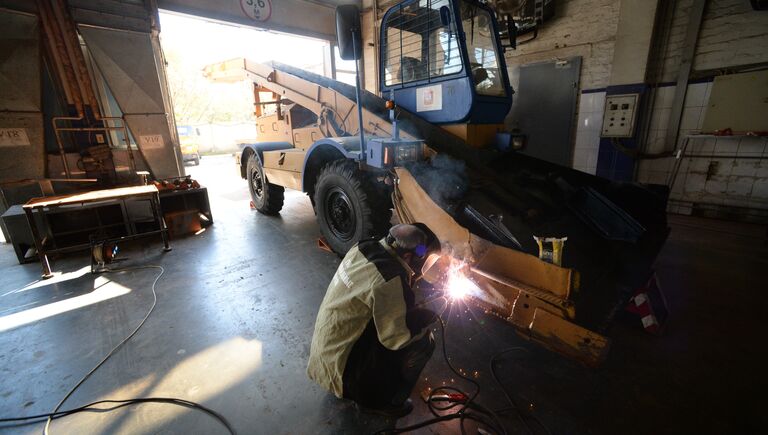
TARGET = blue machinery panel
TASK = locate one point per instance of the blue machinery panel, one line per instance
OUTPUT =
(460, 101)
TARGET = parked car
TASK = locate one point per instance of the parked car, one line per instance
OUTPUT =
(189, 140)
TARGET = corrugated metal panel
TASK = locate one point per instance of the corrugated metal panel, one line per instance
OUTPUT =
(21, 120)
(116, 14)
(127, 62)
(19, 62)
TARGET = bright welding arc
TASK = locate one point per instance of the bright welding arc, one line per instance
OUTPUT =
(458, 285)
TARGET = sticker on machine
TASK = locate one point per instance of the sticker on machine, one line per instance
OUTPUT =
(151, 142)
(13, 137)
(429, 98)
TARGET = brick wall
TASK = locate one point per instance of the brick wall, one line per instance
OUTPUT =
(732, 34)
(585, 28)
(728, 172)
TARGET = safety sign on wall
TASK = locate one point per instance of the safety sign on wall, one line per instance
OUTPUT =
(13, 137)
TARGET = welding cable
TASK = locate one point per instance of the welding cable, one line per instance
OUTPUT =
(463, 413)
(91, 407)
(120, 403)
(118, 346)
(518, 410)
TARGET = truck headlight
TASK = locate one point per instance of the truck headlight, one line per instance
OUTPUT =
(407, 153)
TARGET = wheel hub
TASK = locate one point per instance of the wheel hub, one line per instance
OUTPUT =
(257, 184)
(340, 214)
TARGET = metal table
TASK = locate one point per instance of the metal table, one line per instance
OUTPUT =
(48, 204)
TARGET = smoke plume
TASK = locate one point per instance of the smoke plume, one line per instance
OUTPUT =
(443, 178)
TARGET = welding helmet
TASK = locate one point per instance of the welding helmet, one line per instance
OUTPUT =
(415, 238)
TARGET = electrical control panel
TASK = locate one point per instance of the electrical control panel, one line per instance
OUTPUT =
(620, 115)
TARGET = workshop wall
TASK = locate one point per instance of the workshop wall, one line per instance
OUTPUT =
(732, 37)
(370, 38)
(585, 28)
(732, 34)
(731, 176)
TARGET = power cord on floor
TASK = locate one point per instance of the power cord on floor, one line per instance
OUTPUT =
(468, 409)
(454, 396)
(91, 407)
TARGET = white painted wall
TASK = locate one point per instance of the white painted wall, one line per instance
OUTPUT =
(218, 138)
(732, 35)
(735, 173)
(728, 171)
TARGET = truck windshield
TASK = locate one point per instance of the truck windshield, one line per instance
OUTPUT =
(482, 50)
(421, 44)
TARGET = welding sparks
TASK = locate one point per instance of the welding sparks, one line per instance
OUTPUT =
(458, 285)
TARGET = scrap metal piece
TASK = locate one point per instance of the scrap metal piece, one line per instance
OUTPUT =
(561, 336)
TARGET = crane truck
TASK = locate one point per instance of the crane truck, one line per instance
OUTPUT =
(435, 151)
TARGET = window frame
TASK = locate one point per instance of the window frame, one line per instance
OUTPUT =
(457, 33)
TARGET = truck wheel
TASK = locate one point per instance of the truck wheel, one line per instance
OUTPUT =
(197, 160)
(267, 197)
(350, 206)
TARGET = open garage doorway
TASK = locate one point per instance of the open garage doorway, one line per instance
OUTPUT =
(213, 120)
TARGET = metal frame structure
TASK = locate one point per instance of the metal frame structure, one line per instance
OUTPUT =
(45, 205)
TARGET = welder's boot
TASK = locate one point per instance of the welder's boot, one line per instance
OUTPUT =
(393, 411)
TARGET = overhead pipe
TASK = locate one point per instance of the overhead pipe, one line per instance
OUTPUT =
(57, 72)
(69, 52)
(60, 56)
(72, 44)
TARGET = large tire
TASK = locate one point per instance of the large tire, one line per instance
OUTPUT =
(350, 205)
(197, 160)
(267, 197)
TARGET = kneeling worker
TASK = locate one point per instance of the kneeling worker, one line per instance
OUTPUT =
(371, 341)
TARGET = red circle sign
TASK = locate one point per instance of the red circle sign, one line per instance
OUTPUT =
(257, 10)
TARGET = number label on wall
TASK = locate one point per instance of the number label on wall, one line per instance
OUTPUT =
(257, 10)
(13, 137)
(151, 142)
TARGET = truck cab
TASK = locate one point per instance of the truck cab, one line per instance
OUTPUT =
(440, 60)
(444, 61)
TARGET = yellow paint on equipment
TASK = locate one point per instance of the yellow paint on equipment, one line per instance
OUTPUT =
(531, 294)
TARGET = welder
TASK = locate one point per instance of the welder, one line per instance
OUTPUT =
(371, 340)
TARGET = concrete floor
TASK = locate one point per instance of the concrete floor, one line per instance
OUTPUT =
(234, 320)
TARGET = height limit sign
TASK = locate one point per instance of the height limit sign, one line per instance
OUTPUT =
(257, 10)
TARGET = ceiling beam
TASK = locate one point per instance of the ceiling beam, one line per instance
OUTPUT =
(299, 17)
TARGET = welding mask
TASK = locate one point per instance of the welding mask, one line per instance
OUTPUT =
(420, 242)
